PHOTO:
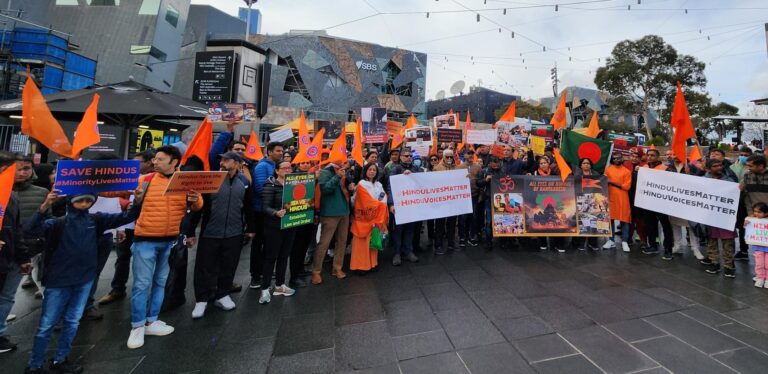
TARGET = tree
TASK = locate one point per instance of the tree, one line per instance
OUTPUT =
(641, 74)
(525, 110)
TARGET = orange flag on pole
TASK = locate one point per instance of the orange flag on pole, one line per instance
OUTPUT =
(7, 177)
(562, 165)
(87, 133)
(303, 133)
(695, 154)
(559, 118)
(38, 122)
(594, 129)
(681, 123)
(357, 146)
(411, 122)
(253, 148)
(339, 148)
(200, 145)
(467, 127)
(313, 151)
(509, 115)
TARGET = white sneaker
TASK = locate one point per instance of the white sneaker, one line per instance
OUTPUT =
(625, 247)
(10, 318)
(265, 297)
(136, 339)
(609, 244)
(760, 283)
(225, 303)
(199, 310)
(697, 252)
(284, 291)
(159, 328)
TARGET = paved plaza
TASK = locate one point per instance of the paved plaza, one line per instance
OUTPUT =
(475, 311)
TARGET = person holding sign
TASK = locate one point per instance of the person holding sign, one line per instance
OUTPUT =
(370, 212)
(727, 237)
(760, 211)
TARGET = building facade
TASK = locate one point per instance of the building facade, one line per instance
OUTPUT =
(480, 102)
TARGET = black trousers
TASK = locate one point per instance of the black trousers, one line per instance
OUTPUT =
(257, 251)
(741, 214)
(277, 249)
(122, 263)
(304, 235)
(652, 220)
(445, 230)
(215, 267)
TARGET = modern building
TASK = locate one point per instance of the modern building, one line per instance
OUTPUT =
(255, 21)
(480, 102)
(582, 101)
(332, 78)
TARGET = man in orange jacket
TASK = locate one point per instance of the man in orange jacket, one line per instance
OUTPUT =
(155, 233)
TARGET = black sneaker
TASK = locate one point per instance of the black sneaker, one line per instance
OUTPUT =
(729, 273)
(66, 367)
(713, 269)
(297, 283)
(706, 262)
(255, 283)
(6, 345)
(462, 243)
(472, 242)
(29, 370)
(741, 256)
(651, 251)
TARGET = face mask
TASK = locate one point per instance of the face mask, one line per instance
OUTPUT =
(743, 159)
(417, 163)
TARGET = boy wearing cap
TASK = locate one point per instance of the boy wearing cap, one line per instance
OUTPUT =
(71, 262)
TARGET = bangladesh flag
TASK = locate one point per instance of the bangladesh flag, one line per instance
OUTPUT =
(575, 146)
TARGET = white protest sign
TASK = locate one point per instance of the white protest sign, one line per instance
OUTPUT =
(756, 231)
(708, 201)
(280, 135)
(424, 196)
(487, 137)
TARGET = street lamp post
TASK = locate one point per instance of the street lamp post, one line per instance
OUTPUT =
(248, 18)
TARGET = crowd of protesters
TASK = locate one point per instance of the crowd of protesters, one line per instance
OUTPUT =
(61, 244)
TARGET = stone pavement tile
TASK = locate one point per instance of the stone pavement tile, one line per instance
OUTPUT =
(753, 317)
(669, 296)
(446, 296)
(431, 274)
(312, 362)
(679, 357)
(658, 370)
(499, 304)
(15, 361)
(355, 285)
(475, 280)
(607, 351)
(122, 365)
(745, 334)
(397, 289)
(457, 261)
(241, 357)
(575, 364)
(468, 327)
(303, 333)
(242, 324)
(410, 317)
(495, 358)
(363, 345)
(744, 360)
(693, 332)
(567, 318)
(604, 314)
(543, 304)
(184, 350)
(443, 363)
(523, 327)
(544, 347)
(311, 300)
(716, 301)
(386, 369)
(421, 344)
(357, 308)
(575, 293)
(635, 330)
(636, 302)
(706, 316)
(522, 286)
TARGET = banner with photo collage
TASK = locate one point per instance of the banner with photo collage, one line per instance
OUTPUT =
(547, 206)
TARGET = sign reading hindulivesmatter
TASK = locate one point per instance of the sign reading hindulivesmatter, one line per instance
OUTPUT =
(424, 196)
(708, 201)
(73, 177)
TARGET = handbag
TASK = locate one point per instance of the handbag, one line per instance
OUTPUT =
(178, 255)
(376, 239)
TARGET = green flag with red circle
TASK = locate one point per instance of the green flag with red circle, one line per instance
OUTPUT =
(574, 147)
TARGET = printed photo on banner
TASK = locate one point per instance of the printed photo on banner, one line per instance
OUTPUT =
(507, 207)
(449, 136)
(228, 112)
(374, 125)
(73, 177)
(418, 135)
(446, 121)
(592, 205)
(511, 133)
(550, 206)
(149, 139)
(298, 200)
(332, 130)
(756, 231)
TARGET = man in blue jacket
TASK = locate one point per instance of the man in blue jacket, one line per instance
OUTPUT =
(263, 170)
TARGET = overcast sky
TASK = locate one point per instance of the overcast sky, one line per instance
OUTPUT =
(728, 35)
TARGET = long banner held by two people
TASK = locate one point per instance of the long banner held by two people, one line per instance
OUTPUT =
(425, 196)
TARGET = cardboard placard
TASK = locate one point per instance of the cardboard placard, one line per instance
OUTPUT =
(538, 144)
(332, 130)
(756, 231)
(486, 137)
(418, 135)
(374, 125)
(449, 135)
(446, 121)
(298, 200)
(198, 181)
(281, 135)
(73, 177)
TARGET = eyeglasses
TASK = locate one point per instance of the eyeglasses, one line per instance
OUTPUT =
(433, 159)
(406, 156)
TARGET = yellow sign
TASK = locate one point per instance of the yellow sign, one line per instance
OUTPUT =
(537, 144)
(149, 139)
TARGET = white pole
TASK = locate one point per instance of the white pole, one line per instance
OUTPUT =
(248, 20)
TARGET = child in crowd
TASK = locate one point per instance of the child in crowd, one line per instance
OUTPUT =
(760, 210)
(716, 234)
(69, 272)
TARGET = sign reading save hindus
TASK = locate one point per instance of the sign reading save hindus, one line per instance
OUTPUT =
(74, 177)
(756, 231)
(198, 181)
(298, 200)
(708, 201)
(424, 196)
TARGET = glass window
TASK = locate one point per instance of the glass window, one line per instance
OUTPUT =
(158, 54)
(66, 2)
(140, 49)
(151, 7)
(172, 15)
(103, 2)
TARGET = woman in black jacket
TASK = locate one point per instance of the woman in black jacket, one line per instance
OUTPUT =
(277, 242)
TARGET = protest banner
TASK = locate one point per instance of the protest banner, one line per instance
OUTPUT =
(281, 135)
(198, 181)
(418, 135)
(424, 196)
(708, 201)
(374, 125)
(298, 200)
(394, 128)
(486, 137)
(421, 149)
(73, 177)
(449, 136)
(332, 130)
(549, 206)
(756, 231)
(538, 144)
(622, 143)
(446, 121)
(545, 131)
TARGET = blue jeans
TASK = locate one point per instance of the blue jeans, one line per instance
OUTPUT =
(150, 271)
(488, 222)
(8, 294)
(402, 239)
(65, 304)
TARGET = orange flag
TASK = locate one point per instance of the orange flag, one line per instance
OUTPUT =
(695, 154)
(411, 122)
(303, 133)
(38, 122)
(313, 151)
(339, 148)
(653, 146)
(681, 123)
(367, 213)
(200, 145)
(433, 150)
(253, 149)
(562, 165)
(87, 133)
(467, 127)
(509, 115)
(594, 129)
(559, 118)
(7, 177)
(397, 139)
(357, 146)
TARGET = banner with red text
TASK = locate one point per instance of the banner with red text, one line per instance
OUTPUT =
(425, 196)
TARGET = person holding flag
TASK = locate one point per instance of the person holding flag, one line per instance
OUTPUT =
(370, 211)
